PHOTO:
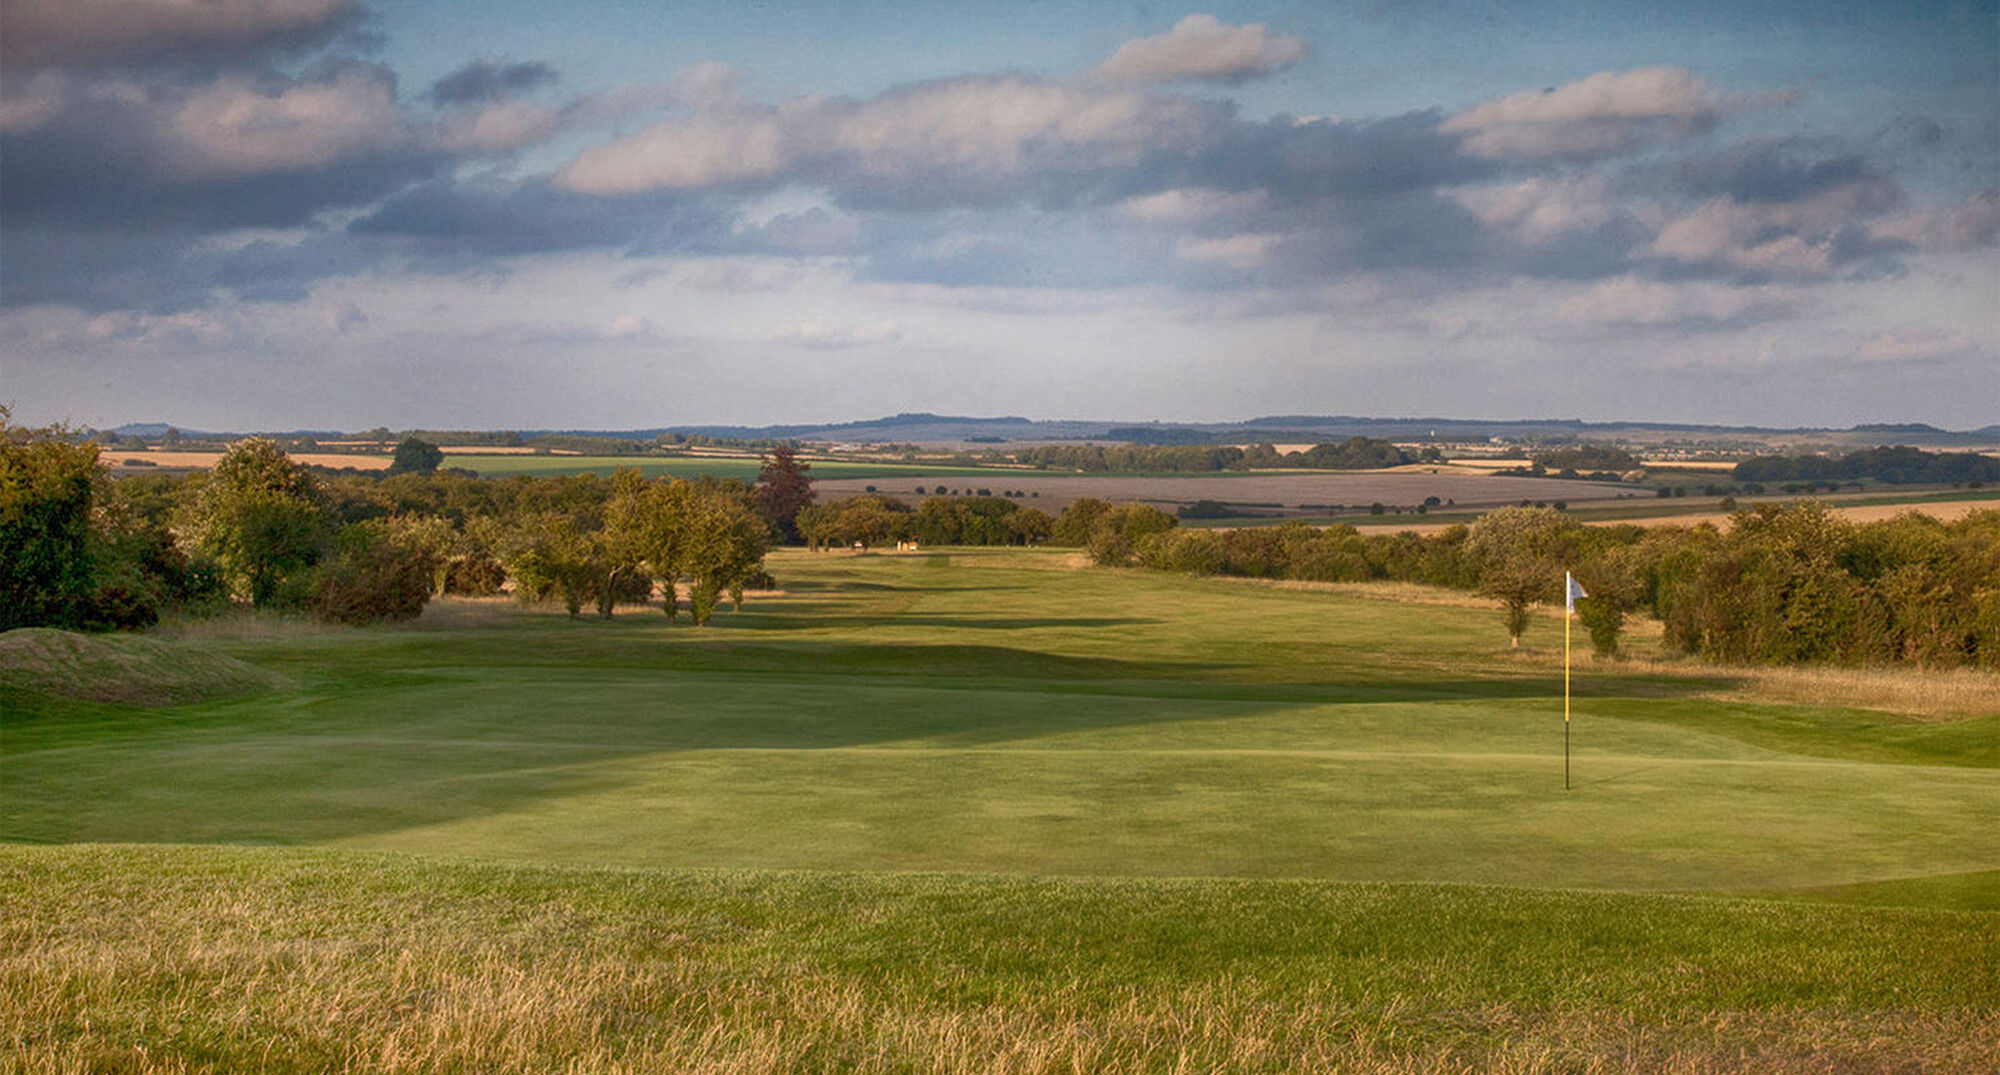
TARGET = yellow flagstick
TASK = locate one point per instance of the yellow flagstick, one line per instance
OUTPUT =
(1571, 591)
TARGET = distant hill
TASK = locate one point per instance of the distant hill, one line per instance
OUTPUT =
(924, 427)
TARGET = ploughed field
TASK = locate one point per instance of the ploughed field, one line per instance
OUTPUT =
(978, 810)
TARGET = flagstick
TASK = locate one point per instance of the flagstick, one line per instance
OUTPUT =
(1567, 602)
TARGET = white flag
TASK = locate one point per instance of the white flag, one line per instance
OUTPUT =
(1572, 590)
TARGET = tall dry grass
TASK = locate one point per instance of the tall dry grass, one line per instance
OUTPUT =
(219, 998)
(1926, 694)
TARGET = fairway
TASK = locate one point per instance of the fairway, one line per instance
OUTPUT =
(974, 810)
(1007, 711)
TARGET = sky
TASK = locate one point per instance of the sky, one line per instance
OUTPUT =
(342, 214)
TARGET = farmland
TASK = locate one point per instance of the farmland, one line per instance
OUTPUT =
(959, 806)
(1289, 491)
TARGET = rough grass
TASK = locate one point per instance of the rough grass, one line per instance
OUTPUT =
(126, 669)
(126, 959)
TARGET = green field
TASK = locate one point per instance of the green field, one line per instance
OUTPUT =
(653, 466)
(988, 810)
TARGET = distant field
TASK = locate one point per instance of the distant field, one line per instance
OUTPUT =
(1052, 818)
(1404, 485)
(1859, 507)
(116, 457)
(697, 466)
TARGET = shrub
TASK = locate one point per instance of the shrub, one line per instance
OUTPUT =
(474, 574)
(374, 576)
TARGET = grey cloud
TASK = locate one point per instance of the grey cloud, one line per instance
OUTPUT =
(40, 33)
(1771, 170)
(490, 80)
(489, 217)
(164, 272)
(246, 149)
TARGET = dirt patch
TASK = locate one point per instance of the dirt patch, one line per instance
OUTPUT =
(127, 669)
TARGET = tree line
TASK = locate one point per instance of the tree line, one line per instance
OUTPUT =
(80, 549)
(1787, 583)
(874, 519)
(1899, 465)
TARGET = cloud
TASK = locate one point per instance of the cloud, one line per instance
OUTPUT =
(816, 231)
(237, 126)
(1609, 112)
(1633, 302)
(680, 155)
(482, 81)
(1912, 345)
(343, 316)
(496, 128)
(1814, 237)
(489, 217)
(630, 326)
(30, 103)
(823, 336)
(1185, 205)
(241, 148)
(1235, 251)
(1537, 211)
(39, 33)
(1201, 48)
(952, 141)
(1767, 170)
(1969, 224)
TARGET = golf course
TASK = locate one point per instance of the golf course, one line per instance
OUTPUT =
(986, 810)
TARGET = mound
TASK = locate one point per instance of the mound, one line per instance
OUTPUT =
(123, 668)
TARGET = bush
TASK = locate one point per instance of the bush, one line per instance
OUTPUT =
(374, 577)
(474, 574)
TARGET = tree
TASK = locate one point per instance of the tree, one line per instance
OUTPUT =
(870, 519)
(819, 525)
(784, 488)
(1518, 554)
(1615, 585)
(415, 456)
(1118, 532)
(45, 501)
(724, 537)
(262, 520)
